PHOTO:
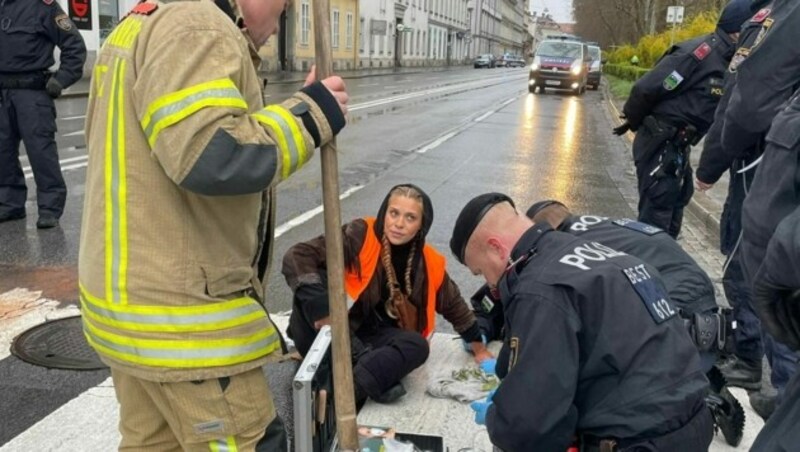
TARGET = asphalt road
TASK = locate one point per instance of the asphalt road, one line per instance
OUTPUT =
(456, 134)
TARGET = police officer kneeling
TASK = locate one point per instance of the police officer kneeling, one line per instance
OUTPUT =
(595, 347)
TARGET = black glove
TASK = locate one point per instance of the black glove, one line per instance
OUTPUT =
(53, 88)
(778, 309)
(622, 128)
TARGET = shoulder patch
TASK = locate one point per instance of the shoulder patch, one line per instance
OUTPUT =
(702, 51)
(651, 293)
(63, 22)
(144, 9)
(737, 59)
(48, 2)
(637, 226)
(761, 15)
(672, 81)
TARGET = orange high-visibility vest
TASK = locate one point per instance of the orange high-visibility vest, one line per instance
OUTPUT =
(368, 257)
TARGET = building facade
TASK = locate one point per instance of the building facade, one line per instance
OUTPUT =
(497, 27)
(364, 33)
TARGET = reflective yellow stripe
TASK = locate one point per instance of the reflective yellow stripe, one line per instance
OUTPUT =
(182, 353)
(122, 191)
(297, 135)
(114, 189)
(224, 445)
(172, 108)
(287, 133)
(224, 315)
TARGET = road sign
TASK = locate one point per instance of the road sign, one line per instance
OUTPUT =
(675, 14)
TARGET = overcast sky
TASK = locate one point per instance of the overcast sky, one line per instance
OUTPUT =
(560, 9)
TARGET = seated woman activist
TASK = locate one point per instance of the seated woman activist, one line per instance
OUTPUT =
(397, 283)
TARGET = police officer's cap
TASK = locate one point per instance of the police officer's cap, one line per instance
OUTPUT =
(538, 206)
(469, 218)
(734, 15)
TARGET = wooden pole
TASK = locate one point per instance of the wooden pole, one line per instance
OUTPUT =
(342, 364)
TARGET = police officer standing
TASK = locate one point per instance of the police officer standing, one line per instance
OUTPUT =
(777, 299)
(671, 108)
(744, 367)
(595, 346)
(765, 81)
(29, 30)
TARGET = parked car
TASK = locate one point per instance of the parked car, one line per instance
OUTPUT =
(485, 60)
(595, 67)
(513, 61)
(561, 63)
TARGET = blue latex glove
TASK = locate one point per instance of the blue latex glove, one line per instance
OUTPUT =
(488, 366)
(481, 407)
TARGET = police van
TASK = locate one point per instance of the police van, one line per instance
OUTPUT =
(562, 63)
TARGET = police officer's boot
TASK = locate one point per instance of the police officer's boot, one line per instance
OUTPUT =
(17, 215)
(46, 222)
(727, 411)
(743, 374)
(763, 404)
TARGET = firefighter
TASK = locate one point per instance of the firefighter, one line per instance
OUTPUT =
(397, 283)
(178, 219)
(29, 31)
(594, 345)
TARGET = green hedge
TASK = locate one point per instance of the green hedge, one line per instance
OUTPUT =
(625, 72)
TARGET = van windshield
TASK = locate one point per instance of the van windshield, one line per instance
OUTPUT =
(559, 49)
(594, 52)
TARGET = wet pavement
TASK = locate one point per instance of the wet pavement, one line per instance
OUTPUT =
(456, 134)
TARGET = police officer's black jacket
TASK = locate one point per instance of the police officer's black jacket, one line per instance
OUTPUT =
(781, 269)
(685, 85)
(765, 80)
(716, 159)
(587, 353)
(688, 285)
(775, 192)
(29, 30)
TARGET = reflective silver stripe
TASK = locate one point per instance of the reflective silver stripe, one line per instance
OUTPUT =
(184, 354)
(350, 302)
(173, 108)
(294, 155)
(189, 319)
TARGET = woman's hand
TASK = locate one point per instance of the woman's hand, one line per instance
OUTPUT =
(322, 322)
(481, 352)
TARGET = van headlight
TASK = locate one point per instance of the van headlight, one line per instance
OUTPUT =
(536, 63)
(576, 68)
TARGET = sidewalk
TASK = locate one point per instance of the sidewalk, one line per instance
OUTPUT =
(81, 87)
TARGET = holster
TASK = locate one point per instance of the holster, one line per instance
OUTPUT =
(711, 331)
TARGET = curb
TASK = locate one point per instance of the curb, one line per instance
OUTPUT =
(84, 93)
(699, 204)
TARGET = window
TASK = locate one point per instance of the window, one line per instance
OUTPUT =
(335, 29)
(305, 23)
(348, 36)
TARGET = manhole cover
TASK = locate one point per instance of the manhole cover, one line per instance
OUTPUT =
(57, 344)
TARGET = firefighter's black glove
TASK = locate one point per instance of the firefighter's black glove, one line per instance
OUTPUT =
(53, 88)
(622, 128)
(778, 309)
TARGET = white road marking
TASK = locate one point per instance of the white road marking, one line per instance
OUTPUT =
(485, 115)
(72, 118)
(304, 217)
(437, 142)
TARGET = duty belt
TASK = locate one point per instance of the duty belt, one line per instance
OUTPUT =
(25, 80)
